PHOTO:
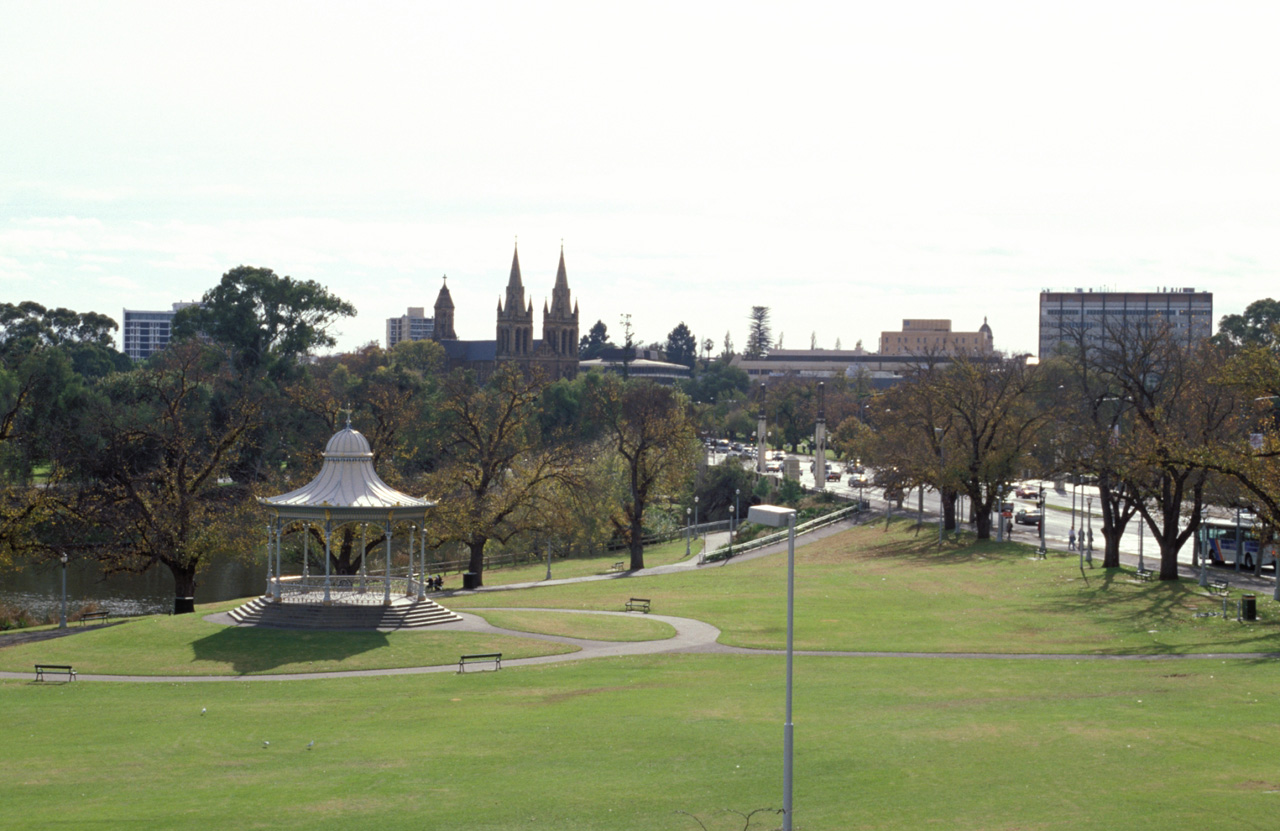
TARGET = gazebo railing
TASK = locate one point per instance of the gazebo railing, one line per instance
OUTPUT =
(347, 589)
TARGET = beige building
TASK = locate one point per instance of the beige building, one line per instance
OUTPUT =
(934, 337)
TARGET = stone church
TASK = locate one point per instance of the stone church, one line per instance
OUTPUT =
(554, 356)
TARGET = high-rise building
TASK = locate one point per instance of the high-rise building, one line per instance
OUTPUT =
(144, 333)
(414, 325)
(1102, 315)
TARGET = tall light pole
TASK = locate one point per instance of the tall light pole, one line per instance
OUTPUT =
(695, 515)
(732, 514)
(1043, 552)
(777, 517)
(737, 502)
(942, 463)
(62, 622)
(688, 530)
(1000, 514)
(1088, 518)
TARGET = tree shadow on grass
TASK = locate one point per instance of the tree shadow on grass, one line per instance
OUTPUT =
(248, 650)
(1115, 594)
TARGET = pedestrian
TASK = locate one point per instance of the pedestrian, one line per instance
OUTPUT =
(1009, 527)
(1090, 539)
(1071, 539)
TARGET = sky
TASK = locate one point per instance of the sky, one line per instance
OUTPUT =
(846, 165)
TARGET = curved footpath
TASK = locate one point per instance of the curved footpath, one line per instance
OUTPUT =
(692, 636)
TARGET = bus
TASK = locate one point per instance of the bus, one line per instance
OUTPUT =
(1218, 541)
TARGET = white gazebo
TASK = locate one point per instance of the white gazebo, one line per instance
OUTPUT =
(347, 489)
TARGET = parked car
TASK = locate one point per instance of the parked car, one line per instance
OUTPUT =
(1024, 492)
(1028, 517)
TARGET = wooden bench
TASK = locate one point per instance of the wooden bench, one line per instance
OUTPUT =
(495, 657)
(41, 669)
(1218, 585)
(638, 604)
(88, 616)
(1143, 574)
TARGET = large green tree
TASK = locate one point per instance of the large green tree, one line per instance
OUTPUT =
(265, 322)
(652, 428)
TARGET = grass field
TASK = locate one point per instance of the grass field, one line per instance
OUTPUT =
(869, 590)
(629, 743)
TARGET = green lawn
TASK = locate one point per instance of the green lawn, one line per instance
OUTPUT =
(628, 743)
(659, 554)
(624, 744)
(190, 645)
(588, 626)
(871, 590)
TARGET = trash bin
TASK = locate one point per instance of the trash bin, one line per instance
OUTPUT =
(1249, 607)
(184, 605)
(470, 580)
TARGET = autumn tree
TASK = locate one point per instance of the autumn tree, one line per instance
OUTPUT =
(496, 469)
(653, 431)
(150, 457)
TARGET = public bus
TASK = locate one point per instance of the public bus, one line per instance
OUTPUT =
(1218, 539)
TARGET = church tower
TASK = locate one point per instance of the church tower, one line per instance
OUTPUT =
(560, 325)
(515, 320)
(444, 314)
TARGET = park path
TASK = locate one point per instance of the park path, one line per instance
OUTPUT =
(692, 636)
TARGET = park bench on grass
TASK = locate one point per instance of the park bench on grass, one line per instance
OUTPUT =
(88, 616)
(1218, 585)
(638, 604)
(495, 657)
(41, 669)
(1143, 574)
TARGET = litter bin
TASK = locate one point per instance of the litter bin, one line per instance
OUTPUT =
(470, 580)
(184, 605)
(1249, 607)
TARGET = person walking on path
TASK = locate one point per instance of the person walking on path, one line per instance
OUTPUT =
(1071, 539)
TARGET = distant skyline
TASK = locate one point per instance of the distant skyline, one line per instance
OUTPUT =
(847, 167)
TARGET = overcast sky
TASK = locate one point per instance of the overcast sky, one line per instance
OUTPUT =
(846, 165)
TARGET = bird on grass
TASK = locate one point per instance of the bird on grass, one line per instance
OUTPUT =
(266, 744)
(311, 744)
(203, 710)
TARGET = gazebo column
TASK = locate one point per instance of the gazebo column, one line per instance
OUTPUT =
(328, 539)
(408, 584)
(386, 595)
(306, 558)
(270, 564)
(422, 567)
(279, 564)
(364, 551)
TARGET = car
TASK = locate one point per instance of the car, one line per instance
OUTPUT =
(833, 474)
(1028, 517)
(860, 480)
(1024, 492)
(773, 466)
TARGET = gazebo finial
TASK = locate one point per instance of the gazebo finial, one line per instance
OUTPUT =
(347, 410)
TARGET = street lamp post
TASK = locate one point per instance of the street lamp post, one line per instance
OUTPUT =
(695, 518)
(942, 463)
(1000, 514)
(688, 530)
(62, 622)
(732, 514)
(777, 517)
(1043, 552)
(1088, 517)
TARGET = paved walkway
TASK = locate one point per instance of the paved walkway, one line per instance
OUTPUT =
(692, 636)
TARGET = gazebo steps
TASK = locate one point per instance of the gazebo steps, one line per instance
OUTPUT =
(260, 612)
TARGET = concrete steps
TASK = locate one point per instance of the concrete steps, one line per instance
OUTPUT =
(259, 612)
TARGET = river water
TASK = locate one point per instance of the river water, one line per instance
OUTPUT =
(38, 588)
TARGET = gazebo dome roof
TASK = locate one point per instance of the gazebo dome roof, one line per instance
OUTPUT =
(348, 442)
(347, 488)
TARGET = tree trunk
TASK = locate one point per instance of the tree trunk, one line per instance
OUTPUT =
(1114, 521)
(948, 509)
(475, 564)
(635, 535)
(184, 588)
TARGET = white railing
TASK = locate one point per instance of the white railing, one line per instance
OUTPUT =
(347, 589)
